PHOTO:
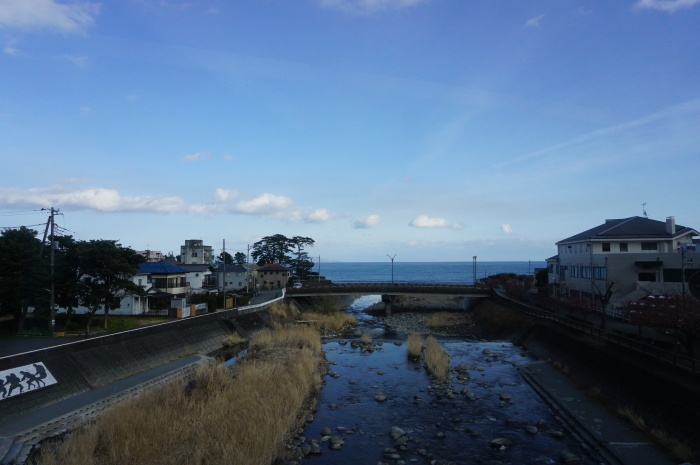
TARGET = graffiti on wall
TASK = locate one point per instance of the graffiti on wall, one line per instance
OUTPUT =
(27, 378)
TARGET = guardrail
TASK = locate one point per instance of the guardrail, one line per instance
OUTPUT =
(668, 356)
(388, 287)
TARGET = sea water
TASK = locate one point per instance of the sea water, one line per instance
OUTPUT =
(425, 272)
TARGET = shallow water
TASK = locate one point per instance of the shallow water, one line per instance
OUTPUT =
(449, 430)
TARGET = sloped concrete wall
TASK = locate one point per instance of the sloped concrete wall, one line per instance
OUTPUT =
(83, 365)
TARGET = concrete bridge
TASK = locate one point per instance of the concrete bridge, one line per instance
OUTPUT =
(390, 290)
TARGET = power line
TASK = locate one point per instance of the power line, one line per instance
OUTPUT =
(20, 212)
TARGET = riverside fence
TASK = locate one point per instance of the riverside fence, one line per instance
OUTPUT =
(674, 358)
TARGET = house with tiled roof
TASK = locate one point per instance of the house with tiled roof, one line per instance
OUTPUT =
(232, 276)
(639, 254)
(272, 276)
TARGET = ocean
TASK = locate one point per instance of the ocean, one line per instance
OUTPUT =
(424, 272)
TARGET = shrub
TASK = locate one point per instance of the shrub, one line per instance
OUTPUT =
(414, 346)
(221, 416)
(436, 360)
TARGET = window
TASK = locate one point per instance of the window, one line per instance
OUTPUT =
(606, 246)
(623, 246)
(586, 272)
(600, 272)
(649, 277)
(649, 246)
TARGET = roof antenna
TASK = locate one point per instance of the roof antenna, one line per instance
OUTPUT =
(644, 210)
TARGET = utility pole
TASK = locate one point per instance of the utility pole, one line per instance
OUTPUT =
(247, 272)
(319, 269)
(474, 269)
(52, 290)
(224, 260)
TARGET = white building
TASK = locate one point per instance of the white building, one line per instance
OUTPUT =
(194, 252)
(639, 254)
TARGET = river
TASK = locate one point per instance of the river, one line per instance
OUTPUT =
(451, 423)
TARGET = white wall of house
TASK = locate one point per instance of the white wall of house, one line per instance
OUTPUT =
(638, 266)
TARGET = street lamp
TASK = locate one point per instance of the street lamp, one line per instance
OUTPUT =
(392, 266)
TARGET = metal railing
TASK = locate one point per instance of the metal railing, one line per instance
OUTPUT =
(388, 287)
(668, 356)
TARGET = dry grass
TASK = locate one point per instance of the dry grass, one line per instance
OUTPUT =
(443, 319)
(366, 338)
(328, 322)
(496, 321)
(223, 416)
(233, 339)
(327, 304)
(414, 346)
(283, 311)
(676, 448)
(436, 360)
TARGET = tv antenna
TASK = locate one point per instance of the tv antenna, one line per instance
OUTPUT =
(644, 210)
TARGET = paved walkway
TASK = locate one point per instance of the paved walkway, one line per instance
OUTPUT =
(610, 437)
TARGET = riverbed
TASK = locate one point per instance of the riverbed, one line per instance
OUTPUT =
(485, 414)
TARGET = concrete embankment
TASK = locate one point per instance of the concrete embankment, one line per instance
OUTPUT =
(667, 398)
(91, 363)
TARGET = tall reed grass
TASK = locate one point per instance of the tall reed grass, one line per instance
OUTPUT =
(436, 360)
(414, 346)
(222, 416)
(326, 322)
(283, 311)
(443, 319)
(232, 339)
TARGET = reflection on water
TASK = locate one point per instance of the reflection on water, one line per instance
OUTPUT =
(456, 429)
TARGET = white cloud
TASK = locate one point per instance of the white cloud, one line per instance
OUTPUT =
(675, 111)
(424, 221)
(195, 157)
(320, 215)
(85, 110)
(224, 195)
(78, 60)
(368, 222)
(369, 6)
(227, 157)
(74, 17)
(110, 200)
(666, 5)
(506, 228)
(534, 22)
(9, 48)
(97, 198)
(264, 204)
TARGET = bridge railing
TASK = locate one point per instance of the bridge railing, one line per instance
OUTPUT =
(387, 287)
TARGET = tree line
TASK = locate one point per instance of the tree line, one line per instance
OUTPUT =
(95, 274)
(278, 248)
(98, 274)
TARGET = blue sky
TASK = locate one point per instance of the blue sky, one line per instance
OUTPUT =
(435, 130)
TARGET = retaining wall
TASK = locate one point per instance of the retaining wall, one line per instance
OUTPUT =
(82, 365)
